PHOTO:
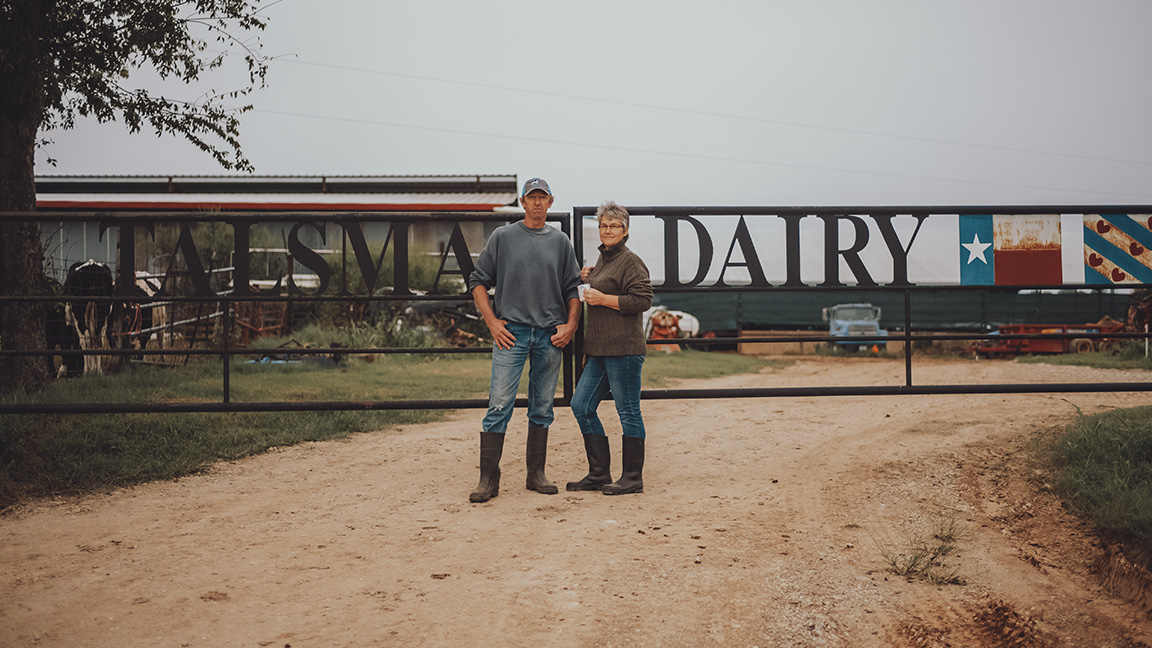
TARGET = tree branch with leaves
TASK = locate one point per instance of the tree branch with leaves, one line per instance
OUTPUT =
(64, 59)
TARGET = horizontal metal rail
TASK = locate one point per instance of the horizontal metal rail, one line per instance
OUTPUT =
(647, 394)
(251, 351)
(571, 225)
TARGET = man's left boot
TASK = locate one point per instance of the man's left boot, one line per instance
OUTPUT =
(537, 456)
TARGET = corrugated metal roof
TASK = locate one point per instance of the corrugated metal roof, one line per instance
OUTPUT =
(277, 184)
(278, 202)
(259, 193)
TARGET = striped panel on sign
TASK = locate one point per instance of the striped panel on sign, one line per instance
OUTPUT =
(1117, 248)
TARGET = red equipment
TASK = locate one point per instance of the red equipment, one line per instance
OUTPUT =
(995, 346)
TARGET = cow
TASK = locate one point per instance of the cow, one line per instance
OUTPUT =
(148, 325)
(89, 319)
(60, 335)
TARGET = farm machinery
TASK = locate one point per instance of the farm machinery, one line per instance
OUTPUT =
(1026, 339)
(1020, 339)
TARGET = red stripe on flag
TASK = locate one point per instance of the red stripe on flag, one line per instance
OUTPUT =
(1027, 250)
(1028, 267)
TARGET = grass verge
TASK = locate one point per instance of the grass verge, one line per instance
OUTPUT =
(1105, 460)
(60, 454)
(1106, 472)
(1127, 355)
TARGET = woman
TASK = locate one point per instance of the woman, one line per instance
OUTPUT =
(619, 292)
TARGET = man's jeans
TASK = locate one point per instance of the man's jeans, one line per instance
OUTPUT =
(621, 376)
(507, 367)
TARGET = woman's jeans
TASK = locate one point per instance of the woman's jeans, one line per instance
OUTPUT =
(619, 375)
(507, 367)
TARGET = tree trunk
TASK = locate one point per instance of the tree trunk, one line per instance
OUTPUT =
(22, 325)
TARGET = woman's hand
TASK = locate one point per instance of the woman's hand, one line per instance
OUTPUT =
(585, 271)
(596, 298)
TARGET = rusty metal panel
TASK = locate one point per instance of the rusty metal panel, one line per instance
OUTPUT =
(1027, 249)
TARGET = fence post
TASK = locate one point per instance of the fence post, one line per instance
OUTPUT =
(907, 337)
(226, 313)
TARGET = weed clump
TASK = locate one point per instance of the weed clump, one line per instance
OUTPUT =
(925, 558)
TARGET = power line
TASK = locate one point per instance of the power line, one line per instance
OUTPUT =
(705, 113)
(715, 158)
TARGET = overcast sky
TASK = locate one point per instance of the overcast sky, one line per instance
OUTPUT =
(726, 102)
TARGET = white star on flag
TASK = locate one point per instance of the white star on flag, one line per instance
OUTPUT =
(976, 249)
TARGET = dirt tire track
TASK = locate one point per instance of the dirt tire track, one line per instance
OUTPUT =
(762, 524)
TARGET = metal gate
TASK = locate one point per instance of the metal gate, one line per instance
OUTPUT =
(846, 233)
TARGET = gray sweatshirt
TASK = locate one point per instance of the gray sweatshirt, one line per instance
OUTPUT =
(534, 272)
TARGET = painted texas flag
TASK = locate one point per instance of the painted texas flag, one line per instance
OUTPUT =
(1012, 250)
(1116, 248)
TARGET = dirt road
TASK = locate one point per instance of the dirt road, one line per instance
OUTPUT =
(764, 522)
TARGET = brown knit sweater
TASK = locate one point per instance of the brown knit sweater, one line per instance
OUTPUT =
(618, 333)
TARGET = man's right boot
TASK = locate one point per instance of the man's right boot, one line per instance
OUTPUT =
(599, 464)
(491, 447)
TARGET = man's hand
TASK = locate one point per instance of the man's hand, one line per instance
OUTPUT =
(501, 336)
(564, 334)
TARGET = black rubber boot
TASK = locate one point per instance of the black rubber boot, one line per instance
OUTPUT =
(537, 456)
(491, 448)
(599, 464)
(632, 479)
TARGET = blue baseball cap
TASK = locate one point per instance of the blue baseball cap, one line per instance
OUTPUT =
(534, 184)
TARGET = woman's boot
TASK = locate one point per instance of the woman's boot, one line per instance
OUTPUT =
(599, 464)
(536, 456)
(632, 479)
(491, 447)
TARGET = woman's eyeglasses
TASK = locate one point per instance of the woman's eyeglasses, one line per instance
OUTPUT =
(611, 226)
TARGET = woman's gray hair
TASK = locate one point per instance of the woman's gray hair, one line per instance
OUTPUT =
(611, 211)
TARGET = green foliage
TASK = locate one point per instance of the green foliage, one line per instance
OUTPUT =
(215, 244)
(1128, 354)
(90, 48)
(69, 58)
(662, 368)
(382, 333)
(421, 277)
(421, 273)
(1106, 471)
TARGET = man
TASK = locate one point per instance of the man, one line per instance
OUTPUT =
(536, 308)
